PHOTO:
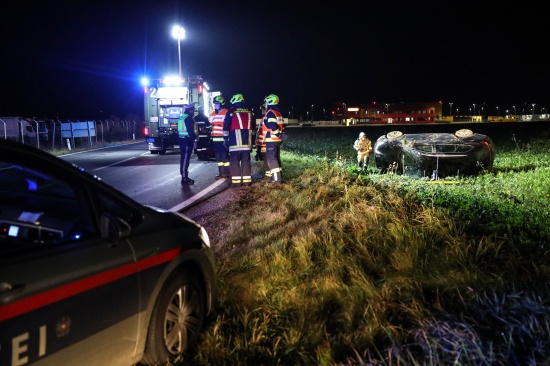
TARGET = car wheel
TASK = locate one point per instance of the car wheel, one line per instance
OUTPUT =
(394, 135)
(464, 133)
(177, 320)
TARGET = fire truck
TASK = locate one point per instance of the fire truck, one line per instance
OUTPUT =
(164, 103)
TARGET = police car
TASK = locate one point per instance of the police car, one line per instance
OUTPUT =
(90, 277)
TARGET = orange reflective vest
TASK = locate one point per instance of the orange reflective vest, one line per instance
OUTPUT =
(260, 135)
(216, 120)
(273, 121)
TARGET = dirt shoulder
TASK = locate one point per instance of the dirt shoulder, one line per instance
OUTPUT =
(214, 213)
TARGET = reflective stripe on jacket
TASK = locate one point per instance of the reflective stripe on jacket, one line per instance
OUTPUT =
(274, 123)
(239, 126)
(182, 126)
(260, 135)
(217, 120)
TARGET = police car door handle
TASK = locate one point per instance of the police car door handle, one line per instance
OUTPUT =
(5, 287)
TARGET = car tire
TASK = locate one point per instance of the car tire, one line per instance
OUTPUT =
(394, 135)
(177, 319)
(464, 133)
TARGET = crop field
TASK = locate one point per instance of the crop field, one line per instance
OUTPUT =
(345, 267)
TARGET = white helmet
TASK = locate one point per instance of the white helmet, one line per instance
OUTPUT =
(362, 134)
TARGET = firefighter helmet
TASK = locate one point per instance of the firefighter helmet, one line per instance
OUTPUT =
(219, 99)
(237, 98)
(271, 99)
(362, 134)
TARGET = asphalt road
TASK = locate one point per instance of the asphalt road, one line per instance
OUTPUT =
(150, 179)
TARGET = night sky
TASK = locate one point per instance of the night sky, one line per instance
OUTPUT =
(84, 59)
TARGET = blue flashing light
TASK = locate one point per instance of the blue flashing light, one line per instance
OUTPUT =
(144, 81)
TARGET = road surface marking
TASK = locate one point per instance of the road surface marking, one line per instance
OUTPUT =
(191, 200)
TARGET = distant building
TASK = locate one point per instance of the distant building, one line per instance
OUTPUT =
(393, 113)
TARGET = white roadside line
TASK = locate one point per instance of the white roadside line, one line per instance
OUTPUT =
(191, 200)
(118, 162)
(99, 148)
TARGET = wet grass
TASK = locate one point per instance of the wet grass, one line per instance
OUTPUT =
(340, 267)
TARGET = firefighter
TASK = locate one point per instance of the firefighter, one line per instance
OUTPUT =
(203, 127)
(273, 122)
(260, 144)
(239, 126)
(220, 150)
(364, 150)
(186, 140)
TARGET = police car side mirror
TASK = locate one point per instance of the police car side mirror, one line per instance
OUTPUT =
(113, 228)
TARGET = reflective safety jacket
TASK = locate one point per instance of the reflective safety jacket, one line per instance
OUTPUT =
(363, 146)
(186, 126)
(273, 121)
(260, 135)
(217, 120)
(239, 126)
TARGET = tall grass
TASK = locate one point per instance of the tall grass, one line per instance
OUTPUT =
(335, 267)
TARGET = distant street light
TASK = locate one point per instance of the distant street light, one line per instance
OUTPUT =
(307, 115)
(474, 108)
(450, 109)
(312, 113)
(514, 109)
(387, 108)
(533, 109)
(345, 110)
(497, 110)
(179, 34)
(324, 114)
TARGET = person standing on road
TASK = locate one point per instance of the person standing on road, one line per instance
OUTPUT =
(221, 151)
(239, 126)
(186, 140)
(273, 122)
(203, 127)
(364, 149)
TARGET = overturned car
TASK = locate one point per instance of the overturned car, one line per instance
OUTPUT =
(434, 155)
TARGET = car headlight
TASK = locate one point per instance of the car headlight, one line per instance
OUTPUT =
(204, 236)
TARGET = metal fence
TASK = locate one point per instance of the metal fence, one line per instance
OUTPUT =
(52, 134)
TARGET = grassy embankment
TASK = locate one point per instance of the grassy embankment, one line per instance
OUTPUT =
(337, 267)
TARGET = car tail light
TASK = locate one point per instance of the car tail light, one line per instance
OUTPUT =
(146, 131)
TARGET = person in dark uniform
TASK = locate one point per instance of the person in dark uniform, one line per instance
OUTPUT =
(238, 128)
(273, 122)
(187, 136)
(203, 126)
(221, 151)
